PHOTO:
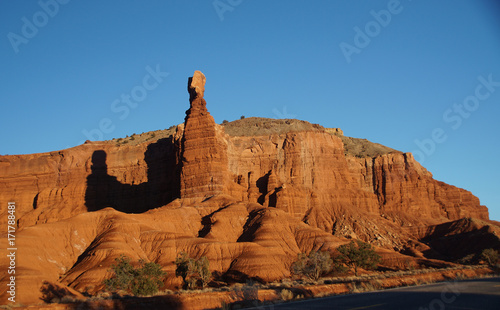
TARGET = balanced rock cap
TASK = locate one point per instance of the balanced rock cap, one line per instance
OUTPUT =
(196, 85)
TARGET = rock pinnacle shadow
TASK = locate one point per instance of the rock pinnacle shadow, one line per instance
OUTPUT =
(104, 190)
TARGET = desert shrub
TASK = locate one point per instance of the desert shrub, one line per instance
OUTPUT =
(410, 265)
(460, 276)
(68, 300)
(313, 265)
(192, 270)
(203, 269)
(185, 267)
(496, 268)
(225, 122)
(242, 117)
(373, 285)
(467, 260)
(353, 287)
(250, 291)
(490, 256)
(145, 280)
(148, 280)
(123, 274)
(55, 300)
(358, 254)
(246, 295)
(286, 295)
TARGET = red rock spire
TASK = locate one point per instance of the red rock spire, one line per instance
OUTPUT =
(203, 154)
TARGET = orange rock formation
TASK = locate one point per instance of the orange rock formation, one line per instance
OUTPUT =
(249, 195)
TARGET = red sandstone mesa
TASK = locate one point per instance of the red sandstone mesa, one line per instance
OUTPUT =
(249, 195)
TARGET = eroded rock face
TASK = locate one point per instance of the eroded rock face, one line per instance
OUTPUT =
(249, 202)
(296, 172)
(408, 194)
(240, 240)
(52, 186)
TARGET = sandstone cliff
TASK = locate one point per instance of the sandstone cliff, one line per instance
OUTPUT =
(250, 195)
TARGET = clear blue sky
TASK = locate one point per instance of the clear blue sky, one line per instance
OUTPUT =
(416, 68)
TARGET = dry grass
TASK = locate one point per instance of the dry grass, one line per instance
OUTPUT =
(287, 289)
(322, 294)
(163, 292)
(151, 136)
(247, 295)
(369, 286)
(364, 148)
(259, 126)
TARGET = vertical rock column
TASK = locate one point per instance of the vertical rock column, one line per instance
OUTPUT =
(203, 154)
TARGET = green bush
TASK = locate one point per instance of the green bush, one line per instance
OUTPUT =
(358, 255)
(192, 270)
(145, 280)
(123, 274)
(313, 265)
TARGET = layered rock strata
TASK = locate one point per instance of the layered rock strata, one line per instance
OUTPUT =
(249, 195)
